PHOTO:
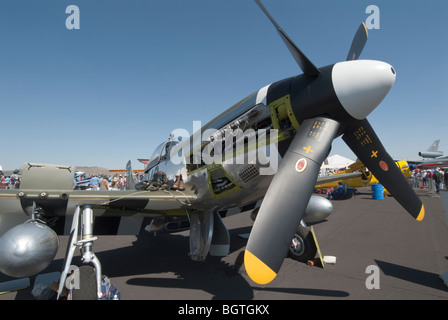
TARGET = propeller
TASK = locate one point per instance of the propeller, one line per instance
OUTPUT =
(335, 101)
(358, 43)
(287, 197)
(365, 144)
(304, 63)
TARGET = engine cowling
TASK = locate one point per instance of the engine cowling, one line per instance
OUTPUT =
(27, 249)
(430, 154)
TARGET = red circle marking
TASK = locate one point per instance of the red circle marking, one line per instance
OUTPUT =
(301, 165)
(384, 166)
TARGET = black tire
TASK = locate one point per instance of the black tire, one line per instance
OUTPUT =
(303, 247)
(87, 284)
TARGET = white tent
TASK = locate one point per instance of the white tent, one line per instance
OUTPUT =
(336, 162)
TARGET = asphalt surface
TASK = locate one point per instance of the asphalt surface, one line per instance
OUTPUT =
(374, 242)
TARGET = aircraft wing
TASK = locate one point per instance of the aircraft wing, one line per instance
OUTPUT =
(57, 197)
(432, 165)
(337, 177)
(160, 200)
(60, 202)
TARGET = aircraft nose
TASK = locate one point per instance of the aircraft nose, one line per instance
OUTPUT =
(361, 85)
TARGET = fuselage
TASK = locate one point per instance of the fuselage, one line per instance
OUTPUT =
(231, 160)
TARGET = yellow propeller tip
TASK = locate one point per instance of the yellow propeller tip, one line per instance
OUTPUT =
(257, 270)
(365, 28)
(421, 215)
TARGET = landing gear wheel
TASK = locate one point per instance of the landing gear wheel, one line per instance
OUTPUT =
(303, 247)
(87, 284)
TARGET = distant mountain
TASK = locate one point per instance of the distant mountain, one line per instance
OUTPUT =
(93, 170)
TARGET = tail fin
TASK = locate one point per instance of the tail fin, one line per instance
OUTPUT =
(130, 182)
(434, 146)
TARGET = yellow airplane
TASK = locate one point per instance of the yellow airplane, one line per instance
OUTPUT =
(366, 178)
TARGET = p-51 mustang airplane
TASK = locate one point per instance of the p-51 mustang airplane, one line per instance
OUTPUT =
(268, 146)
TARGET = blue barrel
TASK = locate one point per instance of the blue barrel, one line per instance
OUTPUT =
(377, 192)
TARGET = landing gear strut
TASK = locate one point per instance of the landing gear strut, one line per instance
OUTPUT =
(83, 282)
(302, 247)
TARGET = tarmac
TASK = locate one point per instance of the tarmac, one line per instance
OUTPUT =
(381, 253)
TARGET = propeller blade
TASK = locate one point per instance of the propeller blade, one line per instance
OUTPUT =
(304, 63)
(287, 197)
(366, 145)
(358, 43)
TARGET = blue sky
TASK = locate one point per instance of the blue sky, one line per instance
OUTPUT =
(112, 90)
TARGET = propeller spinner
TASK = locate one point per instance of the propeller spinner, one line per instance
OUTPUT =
(328, 102)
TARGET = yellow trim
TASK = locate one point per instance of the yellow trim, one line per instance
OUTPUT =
(257, 270)
(421, 215)
(215, 167)
(283, 135)
(365, 28)
(274, 118)
(280, 109)
(318, 248)
(9, 195)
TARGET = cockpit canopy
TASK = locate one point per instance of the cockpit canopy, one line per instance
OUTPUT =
(162, 152)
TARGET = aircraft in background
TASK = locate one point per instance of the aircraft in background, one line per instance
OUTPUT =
(287, 127)
(83, 181)
(441, 163)
(365, 177)
(432, 151)
(432, 158)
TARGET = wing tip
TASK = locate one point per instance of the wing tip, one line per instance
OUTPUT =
(257, 270)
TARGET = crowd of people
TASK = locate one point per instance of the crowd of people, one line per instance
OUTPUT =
(81, 181)
(102, 182)
(424, 178)
(419, 179)
(10, 182)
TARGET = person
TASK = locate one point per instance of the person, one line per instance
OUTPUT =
(12, 181)
(425, 178)
(114, 184)
(430, 175)
(438, 179)
(95, 182)
(121, 184)
(418, 178)
(104, 183)
(445, 178)
(337, 193)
